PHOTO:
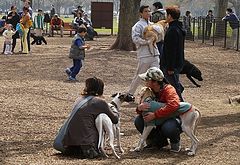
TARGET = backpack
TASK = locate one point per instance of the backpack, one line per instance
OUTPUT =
(58, 142)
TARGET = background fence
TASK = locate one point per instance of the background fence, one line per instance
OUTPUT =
(217, 32)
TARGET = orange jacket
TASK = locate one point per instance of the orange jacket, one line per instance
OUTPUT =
(169, 96)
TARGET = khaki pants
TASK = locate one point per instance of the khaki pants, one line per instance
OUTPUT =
(24, 40)
(143, 65)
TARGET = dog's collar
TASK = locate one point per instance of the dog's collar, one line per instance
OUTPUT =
(114, 104)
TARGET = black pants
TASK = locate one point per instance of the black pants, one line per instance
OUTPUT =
(82, 152)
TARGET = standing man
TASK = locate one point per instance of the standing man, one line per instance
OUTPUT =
(145, 58)
(233, 20)
(209, 21)
(158, 14)
(173, 49)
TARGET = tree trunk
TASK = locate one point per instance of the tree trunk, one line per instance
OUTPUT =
(221, 6)
(128, 16)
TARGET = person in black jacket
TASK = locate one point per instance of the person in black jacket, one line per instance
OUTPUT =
(173, 50)
(13, 18)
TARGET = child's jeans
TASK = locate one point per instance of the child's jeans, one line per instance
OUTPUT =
(77, 65)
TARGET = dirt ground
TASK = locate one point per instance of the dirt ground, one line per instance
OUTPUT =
(36, 98)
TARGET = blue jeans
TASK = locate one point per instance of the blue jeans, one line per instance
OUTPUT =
(174, 81)
(77, 65)
(170, 129)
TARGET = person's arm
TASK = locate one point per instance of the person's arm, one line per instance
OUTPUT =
(137, 36)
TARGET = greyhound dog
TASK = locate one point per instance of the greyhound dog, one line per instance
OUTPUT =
(155, 33)
(189, 116)
(104, 124)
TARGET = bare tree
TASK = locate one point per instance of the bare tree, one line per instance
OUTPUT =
(129, 14)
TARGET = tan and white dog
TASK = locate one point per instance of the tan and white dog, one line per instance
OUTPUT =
(155, 33)
(105, 126)
(189, 121)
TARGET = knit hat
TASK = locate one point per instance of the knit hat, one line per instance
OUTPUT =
(152, 73)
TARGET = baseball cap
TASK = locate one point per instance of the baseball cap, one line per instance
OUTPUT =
(152, 73)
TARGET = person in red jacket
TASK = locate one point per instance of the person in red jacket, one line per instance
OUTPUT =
(56, 24)
(165, 93)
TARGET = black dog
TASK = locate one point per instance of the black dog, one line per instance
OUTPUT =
(38, 39)
(192, 71)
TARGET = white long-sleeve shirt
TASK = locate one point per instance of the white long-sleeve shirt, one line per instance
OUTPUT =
(7, 34)
(142, 44)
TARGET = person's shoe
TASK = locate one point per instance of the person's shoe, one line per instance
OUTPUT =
(72, 78)
(175, 147)
(68, 71)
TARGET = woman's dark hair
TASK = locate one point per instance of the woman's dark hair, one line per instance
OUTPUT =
(158, 5)
(93, 86)
(173, 11)
(142, 8)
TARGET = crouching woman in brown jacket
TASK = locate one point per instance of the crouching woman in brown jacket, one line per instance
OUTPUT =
(79, 133)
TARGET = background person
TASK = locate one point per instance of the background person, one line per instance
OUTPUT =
(56, 24)
(158, 14)
(209, 22)
(233, 20)
(187, 24)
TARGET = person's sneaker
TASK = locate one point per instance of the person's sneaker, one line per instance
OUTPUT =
(68, 71)
(175, 147)
(72, 78)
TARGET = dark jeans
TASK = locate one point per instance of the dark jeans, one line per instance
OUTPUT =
(160, 48)
(77, 65)
(174, 81)
(170, 129)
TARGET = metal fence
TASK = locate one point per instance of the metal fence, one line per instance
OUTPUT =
(217, 32)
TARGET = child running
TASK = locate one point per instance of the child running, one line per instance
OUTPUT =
(77, 53)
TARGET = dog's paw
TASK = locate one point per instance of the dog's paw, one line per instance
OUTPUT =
(191, 153)
(121, 150)
(198, 86)
(137, 149)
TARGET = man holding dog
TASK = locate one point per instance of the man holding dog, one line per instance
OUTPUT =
(173, 50)
(145, 58)
(165, 93)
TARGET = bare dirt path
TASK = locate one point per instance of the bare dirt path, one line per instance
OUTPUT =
(36, 98)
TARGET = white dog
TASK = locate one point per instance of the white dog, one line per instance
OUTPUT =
(105, 125)
(189, 121)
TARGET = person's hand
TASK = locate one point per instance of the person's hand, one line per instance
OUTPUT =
(149, 117)
(170, 72)
(88, 46)
(143, 106)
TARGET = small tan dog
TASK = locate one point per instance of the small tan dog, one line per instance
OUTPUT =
(155, 33)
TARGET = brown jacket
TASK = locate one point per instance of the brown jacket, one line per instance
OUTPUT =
(82, 129)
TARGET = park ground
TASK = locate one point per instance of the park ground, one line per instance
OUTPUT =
(36, 98)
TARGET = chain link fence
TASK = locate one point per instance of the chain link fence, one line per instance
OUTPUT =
(216, 32)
